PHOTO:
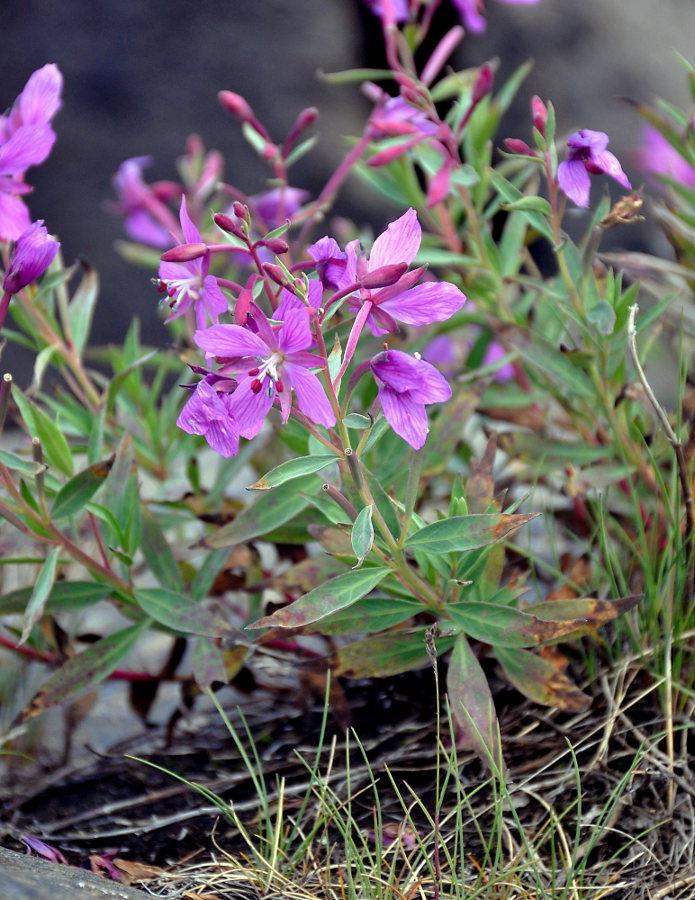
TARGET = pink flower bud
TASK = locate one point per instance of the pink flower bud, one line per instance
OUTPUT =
(384, 275)
(275, 245)
(228, 224)
(304, 120)
(34, 251)
(539, 113)
(276, 273)
(236, 105)
(240, 210)
(515, 145)
(483, 83)
(439, 186)
(384, 157)
(184, 253)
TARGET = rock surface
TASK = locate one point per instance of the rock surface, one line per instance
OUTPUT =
(31, 878)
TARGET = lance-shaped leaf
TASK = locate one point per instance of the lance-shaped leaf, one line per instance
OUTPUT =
(268, 512)
(369, 615)
(504, 626)
(75, 493)
(540, 681)
(471, 702)
(40, 593)
(53, 442)
(181, 614)
(587, 613)
(387, 654)
(333, 539)
(82, 672)
(337, 593)
(157, 552)
(306, 575)
(362, 535)
(81, 308)
(64, 595)
(293, 468)
(458, 534)
(27, 467)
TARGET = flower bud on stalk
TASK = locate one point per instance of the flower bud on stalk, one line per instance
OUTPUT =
(184, 253)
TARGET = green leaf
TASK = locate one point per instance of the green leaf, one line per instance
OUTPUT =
(268, 512)
(383, 655)
(461, 533)
(540, 680)
(293, 468)
(602, 317)
(369, 615)
(39, 594)
(83, 672)
(157, 552)
(208, 571)
(207, 663)
(181, 614)
(356, 420)
(117, 383)
(539, 204)
(53, 441)
(81, 308)
(362, 535)
(504, 626)
(471, 702)
(75, 493)
(336, 593)
(26, 467)
(64, 595)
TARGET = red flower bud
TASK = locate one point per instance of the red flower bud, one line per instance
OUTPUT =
(236, 105)
(275, 245)
(384, 276)
(276, 273)
(539, 113)
(184, 253)
(483, 83)
(514, 145)
(228, 224)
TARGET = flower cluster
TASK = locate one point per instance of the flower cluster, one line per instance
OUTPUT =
(261, 360)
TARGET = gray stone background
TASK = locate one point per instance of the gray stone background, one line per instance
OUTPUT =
(140, 75)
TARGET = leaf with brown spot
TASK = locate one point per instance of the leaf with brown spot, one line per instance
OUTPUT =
(504, 626)
(387, 654)
(471, 702)
(458, 534)
(589, 613)
(82, 672)
(308, 574)
(540, 680)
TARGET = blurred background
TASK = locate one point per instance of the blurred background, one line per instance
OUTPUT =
(141, 76)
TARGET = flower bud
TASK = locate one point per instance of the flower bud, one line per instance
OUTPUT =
(276, 273)
(275, 245)
(34, 251)
(304, 120)
(230, 225)
(184, 253)
(384, 275)
(483, 83)
(236, 105)
(539, 114)
(515, 145)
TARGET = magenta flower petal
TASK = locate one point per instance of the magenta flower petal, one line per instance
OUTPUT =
(607, 163)
(399, 243)
(431, 301)
(251, 406)
(209, 413)
(574, 181)
(40, 99)
(28, 146)
(14, 217)
(330, 261)
(191, 235)
(295, 333)
(230, 341)
(405, 415)
(311, 397)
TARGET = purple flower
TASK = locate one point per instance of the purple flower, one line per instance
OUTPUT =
(189, 284)
(34, 251)
(587, 154)
(431, 301)
(141, 204)
(26, 139)
(471, 11)
(330, 261)
(405, 385)
(278, 204)
(275, 361)
(397, 10)
(208, 412)
(657, 156)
